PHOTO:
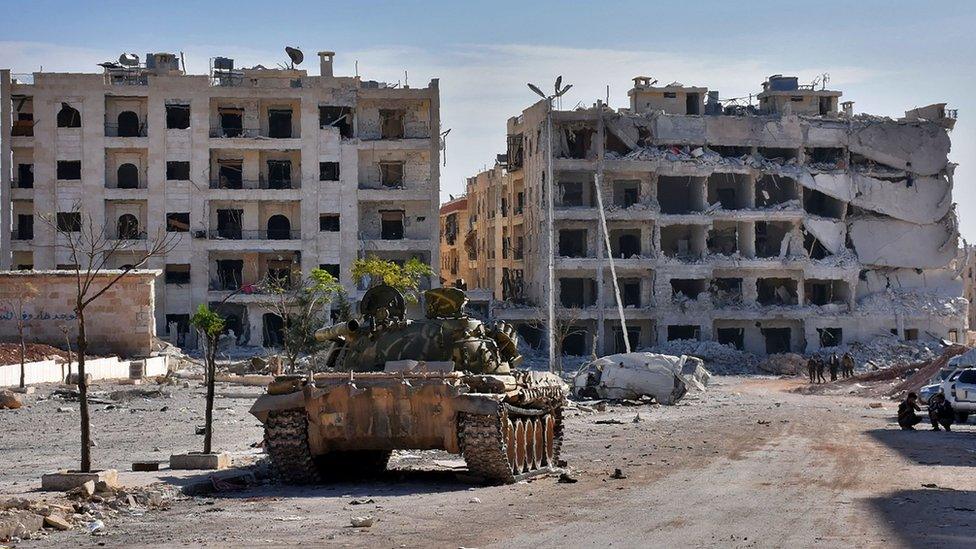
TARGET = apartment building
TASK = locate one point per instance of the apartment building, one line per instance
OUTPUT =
(455, 269)
(789, 225)
(260, 172)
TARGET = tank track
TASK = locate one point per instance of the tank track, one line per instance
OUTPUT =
(486, 442)
(286, 442)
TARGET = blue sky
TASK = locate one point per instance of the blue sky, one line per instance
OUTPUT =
(886, 56)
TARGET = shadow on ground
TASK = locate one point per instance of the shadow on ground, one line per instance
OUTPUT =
(932, 517)
(231, 483)
(927, 447)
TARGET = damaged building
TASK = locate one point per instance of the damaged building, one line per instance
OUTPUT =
(455, 268)
(261, 171)
(790, 225)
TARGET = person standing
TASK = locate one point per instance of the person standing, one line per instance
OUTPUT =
(812, 369)
(834, 364)
(821, 364)
(907, 418)
(847, 365)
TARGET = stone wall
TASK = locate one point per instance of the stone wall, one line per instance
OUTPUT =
(119, 322)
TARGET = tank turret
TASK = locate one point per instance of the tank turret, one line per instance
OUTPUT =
(445, 382)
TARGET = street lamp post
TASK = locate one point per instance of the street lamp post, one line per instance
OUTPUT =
(550, 256)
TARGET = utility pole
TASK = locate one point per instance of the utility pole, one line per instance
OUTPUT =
(548, 181)
(598, 190)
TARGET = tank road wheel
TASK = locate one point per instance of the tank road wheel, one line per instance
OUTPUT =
(539, 443)
(511, 447)
(520, 446)
(286, 441)
(548, 437)
(488, 446)
(557, 435)
(530, 462)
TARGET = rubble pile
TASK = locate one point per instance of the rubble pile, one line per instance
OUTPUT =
(787, 364)
(35, 352)
(718, 358)
(914, 301)
(87, 506)
(9, 400)
(886, 351)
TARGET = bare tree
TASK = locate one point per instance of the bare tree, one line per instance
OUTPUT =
(91, 250)
(566, 325)
(25, 294)
(66, 330)
(302, 305)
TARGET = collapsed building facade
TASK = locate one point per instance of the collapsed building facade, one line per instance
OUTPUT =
(260, 172)
(790, 226)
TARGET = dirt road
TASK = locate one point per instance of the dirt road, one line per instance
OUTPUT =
(746, 465)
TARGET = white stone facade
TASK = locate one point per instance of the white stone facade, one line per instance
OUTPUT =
(257, 165)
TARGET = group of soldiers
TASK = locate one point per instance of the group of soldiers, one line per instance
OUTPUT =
(940, 412)
(816, 366)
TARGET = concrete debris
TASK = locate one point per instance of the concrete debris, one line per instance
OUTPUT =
(932, 302)
(9, 400)
(89, 508)
(783, 364)
(718, 358)
(887, 351)
(57, 522)
(362, 522)
(95, 526)
(566, 478)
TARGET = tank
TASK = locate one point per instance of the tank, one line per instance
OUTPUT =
(447, 382)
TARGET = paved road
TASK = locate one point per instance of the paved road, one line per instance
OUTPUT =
(747, 465)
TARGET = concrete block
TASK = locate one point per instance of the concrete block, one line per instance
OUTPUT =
(199, 460)
(62, 481)
(17, 523)
(57, 522)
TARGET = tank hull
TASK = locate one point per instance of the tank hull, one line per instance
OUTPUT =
(504, 426)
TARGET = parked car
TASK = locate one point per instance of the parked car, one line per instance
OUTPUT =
(960, 391)
(928, 391)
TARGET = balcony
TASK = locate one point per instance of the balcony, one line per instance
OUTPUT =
(235, 133)
(237, 234)
(133, 236)
(276, 184)
(251, 133)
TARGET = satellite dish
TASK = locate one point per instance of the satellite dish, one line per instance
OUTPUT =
(295, 54)
(129, 60)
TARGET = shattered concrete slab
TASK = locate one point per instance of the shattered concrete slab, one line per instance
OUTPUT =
(921, 148)
(889, 242)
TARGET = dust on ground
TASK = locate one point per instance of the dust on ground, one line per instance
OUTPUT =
(746, 464)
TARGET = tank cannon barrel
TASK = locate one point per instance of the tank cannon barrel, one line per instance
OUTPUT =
(337, 332)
